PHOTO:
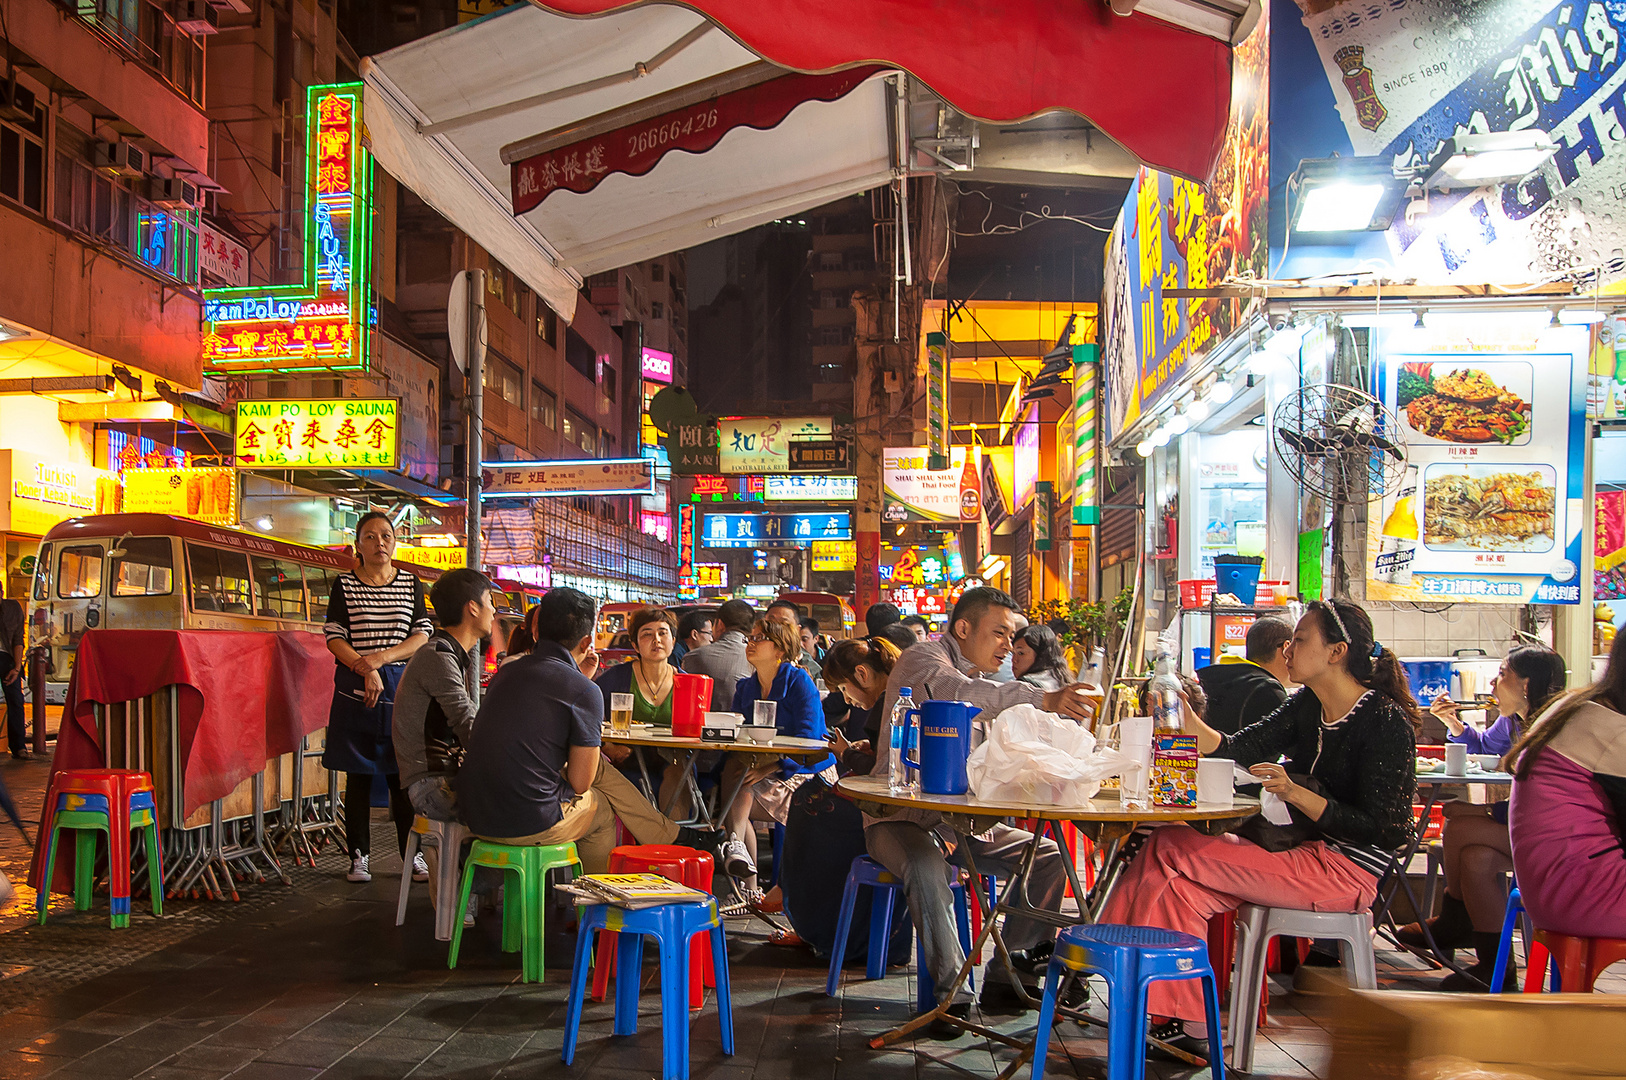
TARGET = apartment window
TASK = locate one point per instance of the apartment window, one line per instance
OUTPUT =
(657, 310)
(110, 212)
(608, 383)
(547, 323)
(502, 378)
(544, 406)
(580, 431)
(501, 285)
(657, 272)
(580, 355)
(22, 161)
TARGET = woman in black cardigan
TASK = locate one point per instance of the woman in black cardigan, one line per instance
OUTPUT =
(1352, 729)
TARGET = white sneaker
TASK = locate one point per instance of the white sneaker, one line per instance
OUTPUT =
(420, 868)
(358, 870)
(737, 860)
(468, 917)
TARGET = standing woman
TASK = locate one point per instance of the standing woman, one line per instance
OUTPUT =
(376, 620)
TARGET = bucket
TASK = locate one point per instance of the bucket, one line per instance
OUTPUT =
(1430, 676)
(945, 743)
(691, 697)
(1239, 578)
(1201, 656)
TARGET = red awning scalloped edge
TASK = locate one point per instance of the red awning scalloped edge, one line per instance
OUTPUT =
(1160, 91)
(637, 148)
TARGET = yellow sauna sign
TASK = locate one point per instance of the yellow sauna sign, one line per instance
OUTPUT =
(326, 433)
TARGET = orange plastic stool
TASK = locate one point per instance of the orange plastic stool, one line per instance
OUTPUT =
(116, 786)
(686, 866)
(1580, 960)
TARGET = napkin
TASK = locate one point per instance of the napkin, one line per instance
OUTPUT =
(1272, 805)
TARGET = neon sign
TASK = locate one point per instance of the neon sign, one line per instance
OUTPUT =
(322, 323)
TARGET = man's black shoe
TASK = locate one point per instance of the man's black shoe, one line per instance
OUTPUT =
(940, 1030)
(1033, 961)
(1174, 1034)
(999, 997)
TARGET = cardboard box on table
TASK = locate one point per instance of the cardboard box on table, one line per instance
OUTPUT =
(1392, 1035)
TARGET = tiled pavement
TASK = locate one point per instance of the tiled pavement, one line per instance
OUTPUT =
(315, 980)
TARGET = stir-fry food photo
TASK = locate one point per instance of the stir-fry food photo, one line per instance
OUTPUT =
(1465, 405)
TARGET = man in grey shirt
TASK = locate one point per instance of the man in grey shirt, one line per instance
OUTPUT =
(724, 659)
(917, 846)
(434, 703)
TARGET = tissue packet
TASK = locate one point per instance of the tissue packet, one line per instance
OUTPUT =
(1174, 770)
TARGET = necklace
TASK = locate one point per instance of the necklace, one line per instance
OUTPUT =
(388, 575)
(655, 692)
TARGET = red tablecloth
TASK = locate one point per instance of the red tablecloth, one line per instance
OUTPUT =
(245, 697)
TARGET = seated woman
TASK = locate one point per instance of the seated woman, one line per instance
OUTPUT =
(1477, 849)
(824, 833)
(766, 788)
(648, 678)
(1350, 730)
(1567, 815)
(1037, 658)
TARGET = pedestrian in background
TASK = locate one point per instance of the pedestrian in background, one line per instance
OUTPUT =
(376, 620)
(13, 649)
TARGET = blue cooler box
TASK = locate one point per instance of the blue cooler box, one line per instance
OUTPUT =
(1430, 676)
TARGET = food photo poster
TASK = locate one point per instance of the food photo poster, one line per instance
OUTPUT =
(1490, 506)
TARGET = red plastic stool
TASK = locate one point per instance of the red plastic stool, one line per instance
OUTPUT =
(686, 866)
(1580, 960)
(116, 786)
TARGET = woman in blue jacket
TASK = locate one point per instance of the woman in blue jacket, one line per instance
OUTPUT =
(772, 649)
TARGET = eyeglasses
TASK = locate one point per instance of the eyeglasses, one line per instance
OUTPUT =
(756, 639)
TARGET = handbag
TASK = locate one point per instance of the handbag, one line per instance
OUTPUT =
(1272, 837)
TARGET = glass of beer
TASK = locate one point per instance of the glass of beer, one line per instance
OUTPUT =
(620, 714)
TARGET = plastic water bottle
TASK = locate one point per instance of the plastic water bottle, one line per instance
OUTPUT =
(1168, 716)
(897, 777)
(1093, 667)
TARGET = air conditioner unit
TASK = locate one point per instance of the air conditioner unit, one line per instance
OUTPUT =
(174, 193)
(16, 102)
(197, 17)
(118, 158)
(241, 7)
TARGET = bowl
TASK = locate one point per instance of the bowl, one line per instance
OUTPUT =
(1487, 762)
(758, 733)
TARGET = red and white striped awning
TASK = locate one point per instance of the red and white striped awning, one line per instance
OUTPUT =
(583, 135)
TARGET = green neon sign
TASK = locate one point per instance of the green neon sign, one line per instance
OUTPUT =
(323, 323)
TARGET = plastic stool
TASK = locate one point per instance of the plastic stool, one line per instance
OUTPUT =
(116, 786)
(886, 886)
(1578, 961)
(1130, 958)
(686, 866)
(87, 813)
(672, 925)
(522, 909)
(1255, 927)
(448, 837)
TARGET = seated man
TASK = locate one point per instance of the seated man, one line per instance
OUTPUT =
(1243, 694)
(434, 703)
(533, 773)
(916, 845)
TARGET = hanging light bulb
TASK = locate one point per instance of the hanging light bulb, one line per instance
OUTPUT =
(1144, 448)
(1221, 392)
(1198, 411)
(1160, 437)
(1178, 424)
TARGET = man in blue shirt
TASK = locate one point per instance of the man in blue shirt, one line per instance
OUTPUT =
(533, 773)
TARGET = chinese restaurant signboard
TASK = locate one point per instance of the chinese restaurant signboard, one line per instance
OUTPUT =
(331, 433)
(321, 324)
(585, 476)
(755, 444)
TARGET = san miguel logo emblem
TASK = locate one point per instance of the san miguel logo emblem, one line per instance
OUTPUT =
(1369, 110)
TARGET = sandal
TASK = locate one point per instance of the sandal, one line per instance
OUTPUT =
(790, 939)
(763, 906)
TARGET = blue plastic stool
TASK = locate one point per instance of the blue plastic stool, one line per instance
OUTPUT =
(672, 925)
(886, 886)
(1504, 947)
(1130, 957)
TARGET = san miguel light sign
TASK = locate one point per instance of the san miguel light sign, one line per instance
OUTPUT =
(322, 323)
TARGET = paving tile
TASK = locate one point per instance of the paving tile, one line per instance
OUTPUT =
(300, 1051)
(111, 1063)
(271, 1070)
(67, 1043)
(387, 1048)
(206, 1057)
(19, 1065)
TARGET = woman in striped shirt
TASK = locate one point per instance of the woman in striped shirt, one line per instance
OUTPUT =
(376, 620)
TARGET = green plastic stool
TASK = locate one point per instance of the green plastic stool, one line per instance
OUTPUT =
(86, 823)
(522, 913)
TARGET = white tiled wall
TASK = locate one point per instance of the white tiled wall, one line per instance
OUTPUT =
(1411, 632)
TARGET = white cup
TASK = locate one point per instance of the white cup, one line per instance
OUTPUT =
(1134, 734)
(1216, 785)
(1456, 759)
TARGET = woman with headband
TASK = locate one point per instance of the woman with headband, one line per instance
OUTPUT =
(1348, 737)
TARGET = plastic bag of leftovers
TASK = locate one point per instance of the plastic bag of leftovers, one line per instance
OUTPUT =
(1031, 756)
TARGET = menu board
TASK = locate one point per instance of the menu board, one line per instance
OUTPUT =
(1490, 507)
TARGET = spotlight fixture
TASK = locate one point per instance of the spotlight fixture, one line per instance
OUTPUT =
(1493, 157)
(1343, 195)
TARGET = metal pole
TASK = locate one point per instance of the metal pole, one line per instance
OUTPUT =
(476, 452)
(36, 683)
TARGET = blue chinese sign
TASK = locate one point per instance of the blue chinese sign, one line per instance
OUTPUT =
(773, 530)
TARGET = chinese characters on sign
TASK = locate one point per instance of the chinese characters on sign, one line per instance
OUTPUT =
(693, 449)
(755, 444)
(773, 530)
(589, 476)
(289, 433)
(221, 257)
(810, 488)
(819, 455)
(711, 575)
(834, 556)
(322, 323)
